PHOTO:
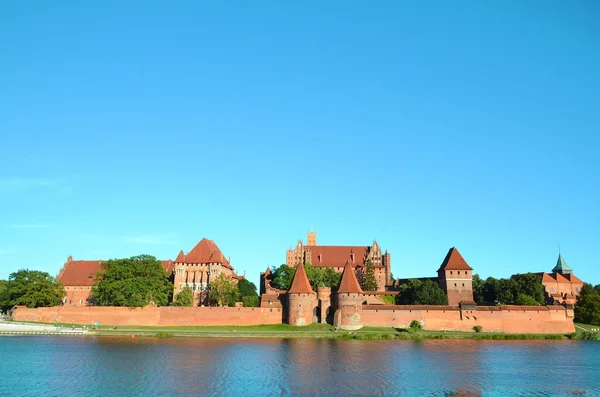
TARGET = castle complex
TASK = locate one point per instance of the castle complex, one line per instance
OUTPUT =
(348, 306)
(195, 270)
(336, 257)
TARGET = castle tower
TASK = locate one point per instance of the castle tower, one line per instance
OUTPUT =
(301, 299)
(324, 298)
(561, 266)
(312, 239)
(349, 312)
(455, 277)
(387, 263)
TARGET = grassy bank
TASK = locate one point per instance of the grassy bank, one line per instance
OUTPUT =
(315, 331)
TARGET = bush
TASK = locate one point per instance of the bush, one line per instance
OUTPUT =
(164, 335)
(250, 301)
(477, 328)
(388, 299)
(415, 325)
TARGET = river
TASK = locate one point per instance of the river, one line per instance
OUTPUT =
(112, 366)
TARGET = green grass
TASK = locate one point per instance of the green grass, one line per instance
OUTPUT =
(315, 331)
(585, 335)
(588, 326)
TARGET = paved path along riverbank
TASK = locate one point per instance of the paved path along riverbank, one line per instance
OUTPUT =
(17, 328)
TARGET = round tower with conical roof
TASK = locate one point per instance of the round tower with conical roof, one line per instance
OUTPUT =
(302, 300)
(349, 301)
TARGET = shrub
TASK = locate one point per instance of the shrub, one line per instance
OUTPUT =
(164, 335)
(415, 325)
(388, 299)
(477, 328)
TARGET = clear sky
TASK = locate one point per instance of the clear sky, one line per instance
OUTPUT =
(141, 127)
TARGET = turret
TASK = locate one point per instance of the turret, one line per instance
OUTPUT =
(324, 300)
(301, 299)
(349, 301)
(455, 277)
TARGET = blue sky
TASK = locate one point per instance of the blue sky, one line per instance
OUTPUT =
(141, 127)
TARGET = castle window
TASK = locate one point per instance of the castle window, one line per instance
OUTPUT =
(577, 289)
(463, 284)
(450, 271)
(459, 272)
(455, 284)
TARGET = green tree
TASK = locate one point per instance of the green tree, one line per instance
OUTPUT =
(478, 287)
(133, 282)
(223, 290)
(247, 293)
(4, 300)
(526, 300)
(421, 292)
(251, 301)
(587, 308)
(322, 277)
(31, 288)
(369, 282)
(282, 277)
(185, 297)
(529, 284)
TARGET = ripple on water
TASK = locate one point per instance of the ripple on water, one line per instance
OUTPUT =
(33, 366)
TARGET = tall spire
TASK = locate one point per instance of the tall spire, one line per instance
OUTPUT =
(300, 283)
(561, 266)
(349, 284)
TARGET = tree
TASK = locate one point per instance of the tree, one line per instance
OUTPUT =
(322, 276)
(526, 300)
(185, 297)
(587, 308)
(282, 277)
(31, 288)
(132, 282)
(369, 282)
(223, 290)
(4, 300)
(529, 284)
(478, 285)
(515, 290)
(247, 293)
(250, 301)
(421, 292)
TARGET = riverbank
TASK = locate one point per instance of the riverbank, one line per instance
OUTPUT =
(310, 331)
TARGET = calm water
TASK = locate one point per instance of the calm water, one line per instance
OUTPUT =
(91, 366)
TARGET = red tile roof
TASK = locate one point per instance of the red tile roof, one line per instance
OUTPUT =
(83, 273)
(571, 277)
(560, 278)
(79, 273)
(336, 255)
(547, 278)
(300, 283)
(206, 251)
(180, 257)
(349, 284)
(454, 261)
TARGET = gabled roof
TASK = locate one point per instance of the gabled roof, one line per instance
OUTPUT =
(572, 278)
(181, 257)
(336, 255)
(547, 278)
(83, 273)
(300, 283)
(560, 278)
(349, 284)
(79, 273)
(561, 266)
(206, 251)
(454, 261)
